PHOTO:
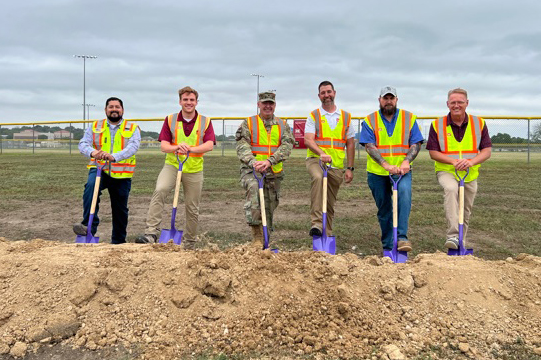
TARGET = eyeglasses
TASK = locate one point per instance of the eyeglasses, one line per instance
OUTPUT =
(457, 103)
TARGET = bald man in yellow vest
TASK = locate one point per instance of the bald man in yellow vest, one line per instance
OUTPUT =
(461, 142)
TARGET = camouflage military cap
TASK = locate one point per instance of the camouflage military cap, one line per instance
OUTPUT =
(267, 96)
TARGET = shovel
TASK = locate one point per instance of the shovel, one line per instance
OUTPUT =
(324, 242)
(461, 243)
(395, 255)
(89, 238)
(260, 182)
(174, 234)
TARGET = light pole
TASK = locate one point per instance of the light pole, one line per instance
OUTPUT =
(88, 110)
(257, 94)
(84, 57)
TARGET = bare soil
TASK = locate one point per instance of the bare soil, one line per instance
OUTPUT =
(65, 301)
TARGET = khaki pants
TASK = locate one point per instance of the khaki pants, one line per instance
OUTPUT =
(451, 202)
(192, 184)
(335, 177)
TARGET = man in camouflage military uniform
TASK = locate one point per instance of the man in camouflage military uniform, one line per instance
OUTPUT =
(264, 141)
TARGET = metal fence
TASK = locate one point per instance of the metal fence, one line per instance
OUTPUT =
(518, 136)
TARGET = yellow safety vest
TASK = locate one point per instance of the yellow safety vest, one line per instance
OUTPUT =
(101, 138)
(468, 148)
(264, 143)
(195, 161)
(332, 142)
(392, 148)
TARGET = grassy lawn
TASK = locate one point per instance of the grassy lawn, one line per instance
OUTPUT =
(506, 217)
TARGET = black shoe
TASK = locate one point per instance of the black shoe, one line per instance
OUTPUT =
(146, 239)
(315, 232)
(80, 229)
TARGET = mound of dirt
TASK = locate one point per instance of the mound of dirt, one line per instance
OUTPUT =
(168, 303)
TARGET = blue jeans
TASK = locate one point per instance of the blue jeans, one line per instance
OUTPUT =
(119, 191)
(382, 191)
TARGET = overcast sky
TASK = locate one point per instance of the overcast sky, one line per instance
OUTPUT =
(147, 52)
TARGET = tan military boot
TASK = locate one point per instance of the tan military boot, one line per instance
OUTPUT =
(258, 240)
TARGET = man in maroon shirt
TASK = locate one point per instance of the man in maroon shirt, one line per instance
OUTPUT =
(182, 133)
(458, 142)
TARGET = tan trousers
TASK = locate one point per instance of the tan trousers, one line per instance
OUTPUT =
(335, 177)
(451, 202)
(192, 184)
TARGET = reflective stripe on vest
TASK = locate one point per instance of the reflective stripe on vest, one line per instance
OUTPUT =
(195, 161)
(101, 139)
(264, 143)
(467, 148)
(392, 148)
(328, 140)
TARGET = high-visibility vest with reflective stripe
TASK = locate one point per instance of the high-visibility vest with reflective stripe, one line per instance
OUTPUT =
(332, 142)
(392, 148)
(468, 148)
(101, 139)
(264, 143)
(195, 161)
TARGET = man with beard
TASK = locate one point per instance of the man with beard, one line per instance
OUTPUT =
(184, 132)
(329, 138)
(115, 140)
(458, 141)
(392, 140)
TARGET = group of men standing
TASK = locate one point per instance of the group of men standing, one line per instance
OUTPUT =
(391, 136)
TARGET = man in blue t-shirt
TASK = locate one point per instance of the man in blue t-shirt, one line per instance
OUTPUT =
(392, 140)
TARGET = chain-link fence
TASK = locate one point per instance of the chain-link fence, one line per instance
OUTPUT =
(519, 137)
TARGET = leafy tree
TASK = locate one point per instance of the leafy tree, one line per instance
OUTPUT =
(535, 136)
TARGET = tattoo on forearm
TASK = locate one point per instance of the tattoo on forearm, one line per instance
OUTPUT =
(413, 151)
(374, 153)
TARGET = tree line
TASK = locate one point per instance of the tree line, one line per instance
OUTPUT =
(77, 132)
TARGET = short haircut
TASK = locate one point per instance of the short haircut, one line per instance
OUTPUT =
(457, 91)
(188, 90)
(112, 98)
(325, 83)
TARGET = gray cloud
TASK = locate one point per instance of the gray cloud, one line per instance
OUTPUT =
(146, 52)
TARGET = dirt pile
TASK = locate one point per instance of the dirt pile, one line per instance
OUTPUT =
(167, 303)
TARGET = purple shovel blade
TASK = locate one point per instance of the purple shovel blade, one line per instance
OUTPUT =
(329, 244)
(171, 234)
(88, 238)
(396, 256)
(317, 243)
(461, 251)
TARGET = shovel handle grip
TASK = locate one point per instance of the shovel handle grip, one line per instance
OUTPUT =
(325, 166)
(181, 163)
(259, 178)
(462, 178)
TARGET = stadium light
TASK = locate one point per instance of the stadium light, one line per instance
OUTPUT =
(88, 110)
(84, 57)
(257, 93)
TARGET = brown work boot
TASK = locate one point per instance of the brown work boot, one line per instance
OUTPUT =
(404, 245)
(258, 240)
(188, 245)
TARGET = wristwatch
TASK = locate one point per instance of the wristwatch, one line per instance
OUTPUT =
(350, 168)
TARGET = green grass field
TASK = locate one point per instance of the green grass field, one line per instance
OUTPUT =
(506, 216)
